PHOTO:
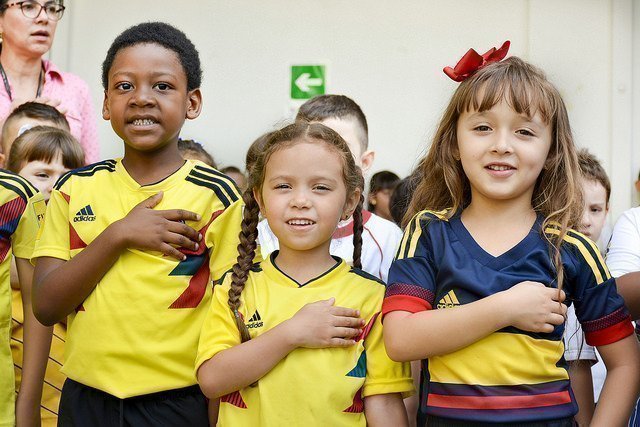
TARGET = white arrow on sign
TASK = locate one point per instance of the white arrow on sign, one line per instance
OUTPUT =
(304, 81)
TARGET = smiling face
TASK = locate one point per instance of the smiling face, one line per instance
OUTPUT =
(303, 196)
(146, 99)
(31, 37)
(502, 152)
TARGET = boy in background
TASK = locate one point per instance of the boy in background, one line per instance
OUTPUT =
(581, 357)
(24, 117)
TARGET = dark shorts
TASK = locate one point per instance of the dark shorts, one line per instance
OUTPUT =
(81, 405)
(446, 422)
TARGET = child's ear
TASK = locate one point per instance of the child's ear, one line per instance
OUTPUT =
(366, 159)
(106, 115)
(194, 103)
(352, 202)
(258, 197)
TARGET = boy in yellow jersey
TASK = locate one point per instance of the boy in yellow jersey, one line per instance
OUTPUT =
(21, 209)
(131, 245)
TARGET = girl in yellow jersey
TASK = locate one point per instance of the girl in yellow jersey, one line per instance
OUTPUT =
(297, 338)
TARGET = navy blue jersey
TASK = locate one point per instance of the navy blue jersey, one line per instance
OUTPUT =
(510, 375)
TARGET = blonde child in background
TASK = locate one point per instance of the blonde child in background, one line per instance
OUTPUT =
(41, 155)
(24, 117)
(488, 242)
(297, 339)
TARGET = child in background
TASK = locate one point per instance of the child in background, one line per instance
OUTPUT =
(380, 238)
(24, 117)
(41, 155)
(581, 357)
(278, 347)
(236, 175)
(381, 188)
(496, 232)
(193, 150)
(121, 255)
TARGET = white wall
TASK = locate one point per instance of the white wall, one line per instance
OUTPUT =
(388, 56)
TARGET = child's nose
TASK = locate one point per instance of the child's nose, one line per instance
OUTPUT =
(502, 142)
(300, 200)
(142, 97)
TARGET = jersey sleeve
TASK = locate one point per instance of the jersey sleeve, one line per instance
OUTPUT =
(411, 283)
(219, 331)
(383, 375)
(24, 238)
(222, 237)
(599, 307)
(54, 239)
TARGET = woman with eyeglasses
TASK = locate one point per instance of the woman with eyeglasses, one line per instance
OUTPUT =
(27, 29)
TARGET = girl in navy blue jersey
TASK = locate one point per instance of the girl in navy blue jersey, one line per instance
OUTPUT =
(476, 288)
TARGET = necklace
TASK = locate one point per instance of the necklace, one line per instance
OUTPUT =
(5, 80)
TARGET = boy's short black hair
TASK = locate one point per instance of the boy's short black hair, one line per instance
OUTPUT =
(342, 107)
(161, 34)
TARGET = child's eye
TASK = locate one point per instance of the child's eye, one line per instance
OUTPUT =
(596, 210)
(163, 86)
(322, 187)
(124, 86)
(282, 186)
(525, 132)
(42, 175)
(482, 128)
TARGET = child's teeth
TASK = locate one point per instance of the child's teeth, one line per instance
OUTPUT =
(143, 122)
(300, 222)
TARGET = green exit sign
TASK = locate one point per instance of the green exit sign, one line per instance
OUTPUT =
(307, 81)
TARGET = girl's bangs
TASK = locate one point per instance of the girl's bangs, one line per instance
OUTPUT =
(526, 94)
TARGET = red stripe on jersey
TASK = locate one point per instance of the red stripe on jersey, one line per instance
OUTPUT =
(357, 406)
(75, 242)
(611, 334)
(499, 402)
(66, 196)
(10, 214)
(197, 288)
(347, 230)
(367, 329)
(404, 303)
(194, 293)
(234, 399)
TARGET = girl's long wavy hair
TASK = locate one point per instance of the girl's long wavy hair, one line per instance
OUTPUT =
(286, 137)
(557, 194)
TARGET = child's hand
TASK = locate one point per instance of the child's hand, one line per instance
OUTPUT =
(321, 324)
(533, 307)
(158, 230)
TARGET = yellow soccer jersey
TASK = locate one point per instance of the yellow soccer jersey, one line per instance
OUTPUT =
(323, 387)
(21, 209)
(137, 332)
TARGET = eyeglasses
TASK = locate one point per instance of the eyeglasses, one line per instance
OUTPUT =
(31, 9)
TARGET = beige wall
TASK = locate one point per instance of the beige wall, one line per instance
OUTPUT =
(387, 55)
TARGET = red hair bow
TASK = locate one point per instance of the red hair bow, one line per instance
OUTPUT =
(472, 62)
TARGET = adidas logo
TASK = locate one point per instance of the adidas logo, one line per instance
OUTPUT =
(450, 300)
(255, 321)
(84, 214)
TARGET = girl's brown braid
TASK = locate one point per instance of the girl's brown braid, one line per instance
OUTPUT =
(246, 253)
(357, 233)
